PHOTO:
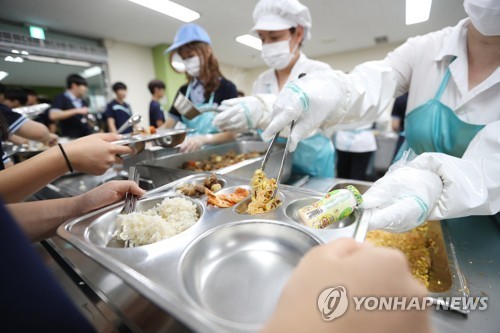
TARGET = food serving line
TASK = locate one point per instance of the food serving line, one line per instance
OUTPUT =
(175, 285)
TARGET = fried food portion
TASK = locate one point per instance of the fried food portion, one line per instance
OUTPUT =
(196, 190)
(225, 200)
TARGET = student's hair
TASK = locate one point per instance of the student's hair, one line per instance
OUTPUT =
(2, 89)
(210, 73)
(155, 84)
(75, 79)
(119, 86)
(16, 94)
(30, 92)
(4, 128)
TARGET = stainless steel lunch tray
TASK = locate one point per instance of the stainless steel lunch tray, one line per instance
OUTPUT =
(202, 274)
(244, 169)
(445, 276)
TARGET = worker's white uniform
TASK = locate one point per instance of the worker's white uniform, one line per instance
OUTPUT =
(419, 66)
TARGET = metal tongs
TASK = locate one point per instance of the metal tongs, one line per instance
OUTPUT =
(130, 199)
(134, 119)
(268, 153)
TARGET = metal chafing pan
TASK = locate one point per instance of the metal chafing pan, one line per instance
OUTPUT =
(445, 277)
(226, 272)
(244, 169)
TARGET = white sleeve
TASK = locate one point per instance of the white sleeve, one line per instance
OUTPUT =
(471, 184)
(370, 87)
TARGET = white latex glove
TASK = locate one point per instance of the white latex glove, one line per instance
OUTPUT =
(192, 143)
(309, 101)
(239, 114)
(402, 199)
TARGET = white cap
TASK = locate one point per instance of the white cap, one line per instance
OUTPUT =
(272, 15)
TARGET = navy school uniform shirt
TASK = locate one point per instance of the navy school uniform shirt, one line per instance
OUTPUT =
(14, 122)
(73, 127)
(226, 90)
(120, 113)
(32, 300)
(155, 113)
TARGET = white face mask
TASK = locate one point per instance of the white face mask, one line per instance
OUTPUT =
(485, 16)
(277, 55)
(193, 65)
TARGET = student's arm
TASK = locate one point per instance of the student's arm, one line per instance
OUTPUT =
(92, 154)
(170, 123)
(17, 140)
(40, 219)
(57, 114)
(159, 123)
(33, 130)
(396, 124)
(111, 125)
(195, 142)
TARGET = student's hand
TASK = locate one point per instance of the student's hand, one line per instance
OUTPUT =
(363, 270)
(83, 111)
(94, 154)
(51, 140)
(106, 194)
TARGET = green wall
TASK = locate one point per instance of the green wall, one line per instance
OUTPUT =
(165, 72)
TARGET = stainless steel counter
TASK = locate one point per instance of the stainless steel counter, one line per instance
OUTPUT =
(477, 246)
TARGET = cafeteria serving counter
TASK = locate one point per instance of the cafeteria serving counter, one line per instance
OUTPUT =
(112, 305)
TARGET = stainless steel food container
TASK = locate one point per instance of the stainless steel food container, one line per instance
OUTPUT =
(244, 169)
(226, 272)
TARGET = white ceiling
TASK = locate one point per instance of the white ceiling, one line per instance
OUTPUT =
(338, 25)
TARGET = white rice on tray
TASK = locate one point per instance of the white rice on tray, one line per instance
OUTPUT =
(169, 218)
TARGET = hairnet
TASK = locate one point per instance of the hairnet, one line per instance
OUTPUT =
(272, 15)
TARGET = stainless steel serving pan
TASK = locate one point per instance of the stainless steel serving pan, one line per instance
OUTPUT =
(226, 272)
(244, 169)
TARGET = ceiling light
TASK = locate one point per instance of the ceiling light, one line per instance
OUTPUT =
(74, 62)
(14, 59)
(15, 51)
(91, 72)
(24, 53)
(42, 59)
(250, 40)
(169, 8)
(3, 75)
(417, 11)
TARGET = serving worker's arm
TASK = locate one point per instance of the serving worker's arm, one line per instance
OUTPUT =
(92, 154)
(437, 186)
(57, 114)
(40, 219)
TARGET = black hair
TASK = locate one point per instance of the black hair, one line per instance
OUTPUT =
(75, 79)
(155, 84)
(30, 92)
(293, 30)
(119, 86)
(2, 89)
(4, 128)
(16, 94)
